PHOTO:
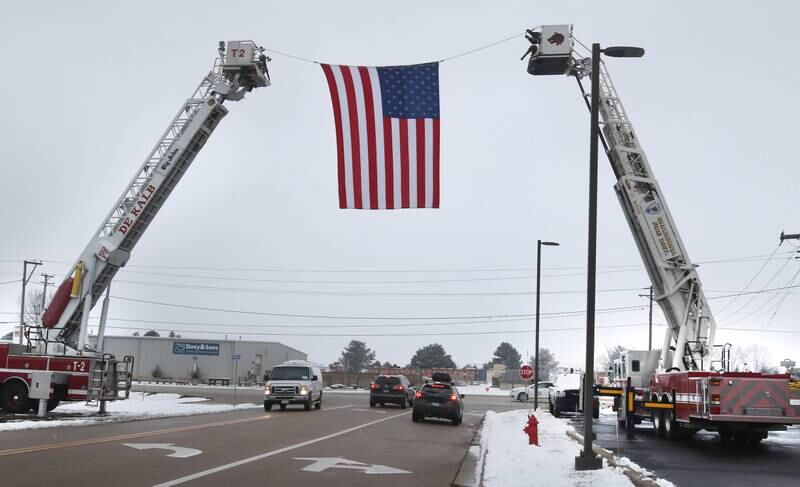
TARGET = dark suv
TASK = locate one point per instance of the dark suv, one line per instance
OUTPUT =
(438, 400)
(394, 389)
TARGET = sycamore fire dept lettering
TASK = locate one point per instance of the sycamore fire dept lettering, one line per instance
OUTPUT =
(661, 230)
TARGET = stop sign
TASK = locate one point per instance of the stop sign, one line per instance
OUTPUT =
(526, 372)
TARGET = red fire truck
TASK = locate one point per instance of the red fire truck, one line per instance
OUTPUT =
(679, 388)
(57, 363)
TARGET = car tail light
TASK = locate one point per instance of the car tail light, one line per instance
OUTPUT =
(714, 381)
(715, 410)
(715, 399)
(453, 397)
(373, 386)
(398, 388)
(418, 394)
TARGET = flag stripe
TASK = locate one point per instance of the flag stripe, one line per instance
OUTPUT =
(366, 84)
(380, 164)
(354, 139)
(346, 138)
(405, 178)
(387, 150)
(428, 162)
(436, 163)
(337, 118)
(397, 166)
(421, 162)
(363, 137)
(412, 164)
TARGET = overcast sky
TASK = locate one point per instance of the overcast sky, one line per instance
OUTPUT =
(255, 225)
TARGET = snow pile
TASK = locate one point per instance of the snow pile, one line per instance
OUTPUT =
(509, 460)
(139, 406)
(482, 390)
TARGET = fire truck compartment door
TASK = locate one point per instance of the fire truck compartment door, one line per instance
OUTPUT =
(40, 385)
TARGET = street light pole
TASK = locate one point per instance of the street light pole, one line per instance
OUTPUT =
(539, 244)
(588, 460)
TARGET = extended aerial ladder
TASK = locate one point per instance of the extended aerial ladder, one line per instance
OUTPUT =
(240, 67)
(677, 287)
(63, 365)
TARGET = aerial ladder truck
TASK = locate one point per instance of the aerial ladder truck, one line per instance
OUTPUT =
(58, 363)
(682, 387)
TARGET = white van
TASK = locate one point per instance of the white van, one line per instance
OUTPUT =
(294, 382)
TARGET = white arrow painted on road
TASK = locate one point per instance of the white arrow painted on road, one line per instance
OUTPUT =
(177, 451)
(323, 463)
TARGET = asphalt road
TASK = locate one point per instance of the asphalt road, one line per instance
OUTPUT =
(363, 446)
(704, 460)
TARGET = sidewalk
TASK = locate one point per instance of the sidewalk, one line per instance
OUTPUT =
(506, 459)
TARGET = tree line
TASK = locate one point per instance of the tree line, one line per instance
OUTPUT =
(356, 357)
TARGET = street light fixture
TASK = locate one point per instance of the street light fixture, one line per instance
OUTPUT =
(539, 244)
(588, 460)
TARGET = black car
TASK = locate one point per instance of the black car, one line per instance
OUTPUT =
(566, 393)
(391, 389)
(438, 400)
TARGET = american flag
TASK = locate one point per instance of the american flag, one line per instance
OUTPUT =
(387, 135)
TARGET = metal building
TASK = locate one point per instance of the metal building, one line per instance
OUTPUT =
(178, 358)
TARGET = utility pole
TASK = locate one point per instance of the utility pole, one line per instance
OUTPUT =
(650, 334)
(25, 278)
(46, 283)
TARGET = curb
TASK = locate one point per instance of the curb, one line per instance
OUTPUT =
(639, 479)
(471, 464)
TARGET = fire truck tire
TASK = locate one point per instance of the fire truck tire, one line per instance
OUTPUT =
(52, 404)
(658, 423)
(14, 398)
(672, 429)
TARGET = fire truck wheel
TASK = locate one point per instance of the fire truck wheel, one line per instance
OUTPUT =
(658, 422)
(671, 427)
(14, 398)
(52, 404)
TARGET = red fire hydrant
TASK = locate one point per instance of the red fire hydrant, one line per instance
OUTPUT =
(532, 429)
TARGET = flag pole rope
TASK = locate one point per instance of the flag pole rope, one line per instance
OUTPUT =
(465, 53)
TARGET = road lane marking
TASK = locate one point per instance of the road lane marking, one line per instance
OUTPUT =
(107, 439)
(268, 454)
(320, 464)
(177, 451)
(370, 411)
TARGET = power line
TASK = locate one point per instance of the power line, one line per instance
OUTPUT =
(360, 293)
(750, 258)
(294, 315)
(452, 333)
(758, 272)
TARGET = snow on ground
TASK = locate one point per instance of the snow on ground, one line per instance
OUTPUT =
(482, 390)
(509, 460)
(139, 406)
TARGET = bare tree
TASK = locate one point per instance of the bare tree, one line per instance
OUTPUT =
(612, 353)
(753, 358)
(34, 308)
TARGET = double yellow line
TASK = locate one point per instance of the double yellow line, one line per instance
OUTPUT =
(107, 439)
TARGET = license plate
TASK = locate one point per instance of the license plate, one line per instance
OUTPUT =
(436, 404)
(285, 401)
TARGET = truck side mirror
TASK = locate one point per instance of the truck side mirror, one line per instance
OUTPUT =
(314, 377)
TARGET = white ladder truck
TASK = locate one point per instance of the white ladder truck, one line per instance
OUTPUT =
(58, 363)
(680, 388)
